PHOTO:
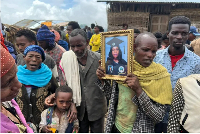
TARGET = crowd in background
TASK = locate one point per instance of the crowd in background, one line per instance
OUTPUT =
(55, 82)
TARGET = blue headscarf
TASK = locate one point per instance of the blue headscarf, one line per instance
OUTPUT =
(44, 34)
(38, 78)
(35, 48)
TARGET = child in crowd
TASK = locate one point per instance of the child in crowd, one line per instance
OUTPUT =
(54, 119)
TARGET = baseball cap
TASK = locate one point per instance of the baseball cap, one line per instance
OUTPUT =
(194, 30)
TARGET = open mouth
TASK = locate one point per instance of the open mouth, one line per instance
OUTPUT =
(33, 66)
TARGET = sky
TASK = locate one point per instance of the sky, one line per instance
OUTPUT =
(82, 11)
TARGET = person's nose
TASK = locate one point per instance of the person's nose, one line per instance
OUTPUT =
(75, 49)
(150, 55)
(20, 48)
(16, 85)
(179, 36)
(34, 58)
(64, 104)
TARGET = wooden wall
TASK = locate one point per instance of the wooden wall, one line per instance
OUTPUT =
(139, 15)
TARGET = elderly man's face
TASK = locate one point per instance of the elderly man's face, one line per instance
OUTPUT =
(145, 51)
(10, 85)
(78, 45)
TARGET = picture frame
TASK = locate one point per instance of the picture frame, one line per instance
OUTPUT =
(117, 53)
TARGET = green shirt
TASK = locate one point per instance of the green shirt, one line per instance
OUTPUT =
(126, 110)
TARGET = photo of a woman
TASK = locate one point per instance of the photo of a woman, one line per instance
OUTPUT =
(114, 59)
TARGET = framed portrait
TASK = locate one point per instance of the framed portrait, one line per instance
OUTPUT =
(117, 53)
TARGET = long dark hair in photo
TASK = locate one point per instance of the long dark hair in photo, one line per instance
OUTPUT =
(110, 56)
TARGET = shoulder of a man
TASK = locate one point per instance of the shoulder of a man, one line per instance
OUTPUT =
(192, 55)
(49, 61)
(159, 55)
(20, 59)
(95, 55)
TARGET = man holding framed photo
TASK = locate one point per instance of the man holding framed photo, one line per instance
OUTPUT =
(139, 101)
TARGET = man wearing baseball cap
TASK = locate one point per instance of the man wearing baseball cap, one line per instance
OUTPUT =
(192, 34)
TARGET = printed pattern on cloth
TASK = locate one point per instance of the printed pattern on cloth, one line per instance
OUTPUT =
(148, 112)
(177, 106)
(56, 54)
(32, 106)
(187, 65)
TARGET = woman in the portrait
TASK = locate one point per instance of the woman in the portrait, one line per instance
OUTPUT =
(115, 59)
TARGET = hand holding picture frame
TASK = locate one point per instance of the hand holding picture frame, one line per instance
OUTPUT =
(117, 53)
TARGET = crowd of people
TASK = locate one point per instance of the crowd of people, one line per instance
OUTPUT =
(55, 84)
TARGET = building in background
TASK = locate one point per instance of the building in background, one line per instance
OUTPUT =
(150, 15)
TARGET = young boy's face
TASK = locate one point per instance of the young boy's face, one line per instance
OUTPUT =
(96, 29)
(63, 101)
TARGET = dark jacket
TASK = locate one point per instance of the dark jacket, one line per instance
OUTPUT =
(33, 107)
(93, 98)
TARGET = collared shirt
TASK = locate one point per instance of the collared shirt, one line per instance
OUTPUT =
(187, 65)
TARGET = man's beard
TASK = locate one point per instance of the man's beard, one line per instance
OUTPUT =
(85, 51)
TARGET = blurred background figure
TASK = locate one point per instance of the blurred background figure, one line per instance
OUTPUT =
(92, 27)
(125, 26)
(195, 44)
(95, 40)
(158, 35)
(165, 41)
(63, 34)
(136, 33)
(192, 34)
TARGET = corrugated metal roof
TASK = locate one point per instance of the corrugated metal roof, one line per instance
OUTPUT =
(35, 23)
(152, 1)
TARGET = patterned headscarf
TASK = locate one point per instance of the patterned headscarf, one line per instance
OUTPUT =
(44, 34)
(57, 38)
(35, 48)
(7, 61)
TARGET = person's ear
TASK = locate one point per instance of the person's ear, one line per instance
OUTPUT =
(135, 47)
(168, 34)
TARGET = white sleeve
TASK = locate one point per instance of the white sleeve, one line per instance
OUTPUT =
(43, 120)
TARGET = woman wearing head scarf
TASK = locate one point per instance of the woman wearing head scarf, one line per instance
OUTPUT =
(37, 83)
(137, 103)
(115, 64)
(46, 39)
(12, 119)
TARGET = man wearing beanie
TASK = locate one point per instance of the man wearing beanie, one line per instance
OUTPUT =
(46, 40)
